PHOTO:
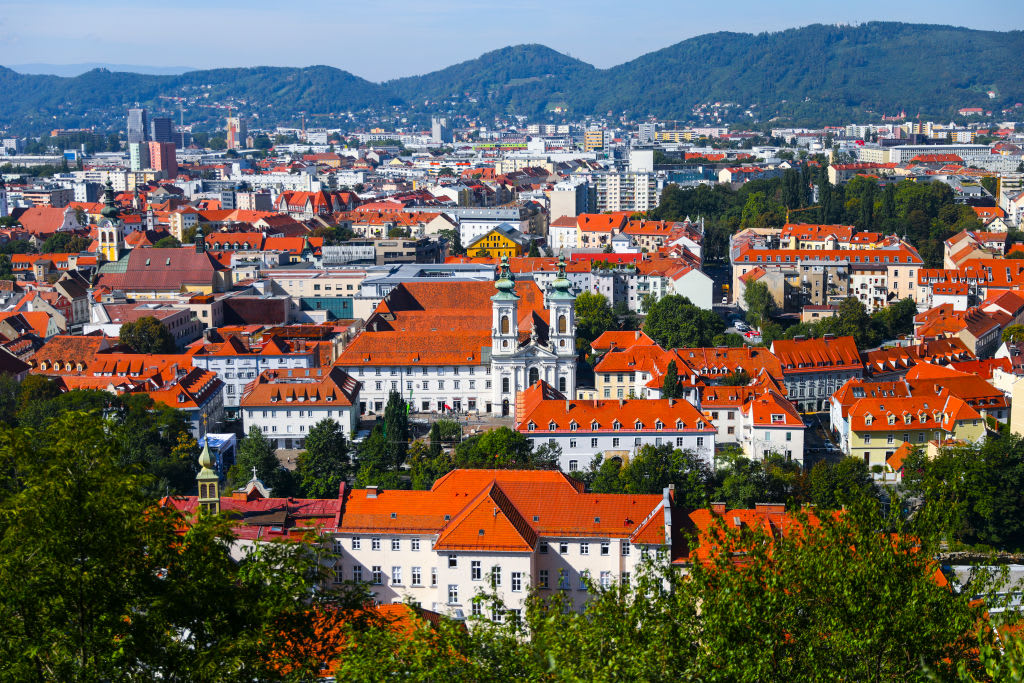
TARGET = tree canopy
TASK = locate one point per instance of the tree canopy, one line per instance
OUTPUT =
(674, 322)
(147, 335)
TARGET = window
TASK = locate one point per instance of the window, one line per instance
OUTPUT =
(563, 548)
(572, 443)
(563, 581)
(474, 570)
(573, 465)
(606, 579)
(543, 548)
(625, 548)
(378, 575)
(789, 436)
(593, 442)
(496, 576)
(517, 582)
(542, 578)
(584, 577)
(417, 577)
(453, 593)
(584, 548)
(504, 385)
(357, 573)
(606, 548)
(625, 579)
(680, 442)
(700, 441)
(475, 609)
(396, 576)
(356, 543)
(396, 544)
(453, 562)
(339, 574)
(433, 576)
(374, 544)
(415, 543)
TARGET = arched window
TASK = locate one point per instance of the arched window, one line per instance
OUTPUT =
(562, 324)
(504, 385)
(561, 384)
(504, 324)
(534, 376)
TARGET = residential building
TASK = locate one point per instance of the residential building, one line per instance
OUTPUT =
(285, 404)
(138, 127)
(582, 429)
(813, 369)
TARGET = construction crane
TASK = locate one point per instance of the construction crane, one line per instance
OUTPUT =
(806, 208)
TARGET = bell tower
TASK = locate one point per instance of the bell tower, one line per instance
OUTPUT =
(111, 235)
(562, 304)
(209, 482)
(505, 311)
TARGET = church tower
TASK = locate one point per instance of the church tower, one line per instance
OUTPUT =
(505, 310)
(111, 235)
(505, 341)
(209, 482)
(562, 331)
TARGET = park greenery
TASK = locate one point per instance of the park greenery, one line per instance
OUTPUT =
(146, 335)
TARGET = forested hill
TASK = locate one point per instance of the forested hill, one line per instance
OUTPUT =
(815, 74)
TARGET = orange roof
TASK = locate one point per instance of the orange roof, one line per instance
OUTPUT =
(302, 386)
(601, 222)
(620, 339)
(627, 415)
(817, 355)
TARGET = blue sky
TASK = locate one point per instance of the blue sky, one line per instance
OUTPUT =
(381, 39)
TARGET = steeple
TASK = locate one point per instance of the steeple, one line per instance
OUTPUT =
(561, 284)
(200, 240)
(109, 210)
(505, 285)
(209, 481)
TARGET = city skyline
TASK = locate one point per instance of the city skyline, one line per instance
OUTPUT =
(453, 33)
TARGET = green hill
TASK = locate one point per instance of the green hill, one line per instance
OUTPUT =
(815, 74)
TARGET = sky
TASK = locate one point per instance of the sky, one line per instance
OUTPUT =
(383, 39)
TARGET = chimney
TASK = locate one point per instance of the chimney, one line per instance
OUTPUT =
(371, 492)
(718, 508)
(622, 402)
(828, 337)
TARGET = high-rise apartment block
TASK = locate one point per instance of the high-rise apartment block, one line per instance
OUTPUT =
(138, 155)
(439, 131)
(163, 157)
(237, 131)
(138, 126)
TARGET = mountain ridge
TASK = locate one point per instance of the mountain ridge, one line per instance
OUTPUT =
(817, 73)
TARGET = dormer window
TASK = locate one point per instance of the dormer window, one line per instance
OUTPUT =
(594, 425)
(778, 419)
(638, 425)
(892, 419)
(868, 419)
(552, 426)
(616, 425)
(531, 426)
(679, 424)
(573, 426)
(659, 425)
(908, 418)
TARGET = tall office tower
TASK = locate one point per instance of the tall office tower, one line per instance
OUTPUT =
(238, 131)
(439, 131)
(138, 128)
(161, 129)
(138, 155)
(3, 199)
(163, 157)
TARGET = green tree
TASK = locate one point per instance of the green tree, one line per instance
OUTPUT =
(831, 486)
(169, 242)
(428, 463)
(593, 318)
(325, 462)
(98, 583)
(257, 452)
(396, 431)
(674, 322)
(533, 251)
(737, 378)
(147, 335)
(760, 304)
(654, 468)
(971, 492)
(670, 383)
(742, 482)
(500, 448)
(1013, 333)
(451, 236)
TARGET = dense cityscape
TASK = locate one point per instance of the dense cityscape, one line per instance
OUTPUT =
(500, 380)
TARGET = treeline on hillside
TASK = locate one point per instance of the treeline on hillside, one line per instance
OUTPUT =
(98, 583)
(924, 213)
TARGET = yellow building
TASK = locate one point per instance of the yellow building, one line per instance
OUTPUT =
(502, 241)
(593, 139)
(878, 426)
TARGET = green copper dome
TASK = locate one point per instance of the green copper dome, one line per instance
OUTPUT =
(561, 284)
(109, 210)
(505, 285)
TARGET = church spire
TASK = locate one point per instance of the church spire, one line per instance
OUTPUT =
(209, 481)
(109, 210)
